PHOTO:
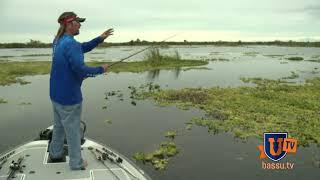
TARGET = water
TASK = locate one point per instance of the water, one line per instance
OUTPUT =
(186, 52)
(142, 127)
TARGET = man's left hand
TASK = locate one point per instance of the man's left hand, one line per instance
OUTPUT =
(106, 34)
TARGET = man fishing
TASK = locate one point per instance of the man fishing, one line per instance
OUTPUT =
(68, 70)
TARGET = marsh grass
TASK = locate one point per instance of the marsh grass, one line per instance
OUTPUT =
(12, 71)
(296, 58)
(270, 106)
(155, 58)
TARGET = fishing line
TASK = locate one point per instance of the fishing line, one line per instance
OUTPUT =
(141, 50)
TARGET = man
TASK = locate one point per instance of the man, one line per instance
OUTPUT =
(67, 73)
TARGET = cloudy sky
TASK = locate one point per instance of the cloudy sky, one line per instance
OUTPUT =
(154, 20)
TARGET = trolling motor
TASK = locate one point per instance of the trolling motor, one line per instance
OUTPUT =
(47, 133)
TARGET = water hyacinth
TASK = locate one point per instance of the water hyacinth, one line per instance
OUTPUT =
(171, 134)
(160, 157)
(3, 101)
(270, 106)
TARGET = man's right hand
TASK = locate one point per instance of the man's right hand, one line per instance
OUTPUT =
(105, 67)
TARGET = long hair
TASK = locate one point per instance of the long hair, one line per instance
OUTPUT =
(62, 27)
(60, 32)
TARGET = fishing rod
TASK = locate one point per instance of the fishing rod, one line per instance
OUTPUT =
(141, 51)
(101, 159)
(115, 159)
(14, 167)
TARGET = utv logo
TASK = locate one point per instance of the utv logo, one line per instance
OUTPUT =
(277, 145)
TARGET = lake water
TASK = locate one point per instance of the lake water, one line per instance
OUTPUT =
(142, 127)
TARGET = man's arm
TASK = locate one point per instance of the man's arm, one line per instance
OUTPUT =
(88, 46)
(76, 60)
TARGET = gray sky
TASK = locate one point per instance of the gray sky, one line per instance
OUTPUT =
(154, 20)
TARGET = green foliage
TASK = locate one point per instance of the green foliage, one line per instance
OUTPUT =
(160, 157)
(271, 105)
(295, 58)
(138, 42)
(171, 134)
(3, 101)
(10, 71)
(154, 57)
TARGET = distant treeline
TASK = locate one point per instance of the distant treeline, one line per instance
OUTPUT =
(39, 44)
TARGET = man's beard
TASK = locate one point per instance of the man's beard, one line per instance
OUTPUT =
(77, 32)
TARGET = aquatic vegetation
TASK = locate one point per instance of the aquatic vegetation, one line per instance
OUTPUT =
(171, 134)
(3, 101)
(297, 58)
(133, 103)
(270, 105)
(215, 53)
(218, 59)
(160, 157)
(164, 46)
(196, 68)
(188, 126)
(10, 71)
(293, 75)
(6, 56)
(138, 92)
(134, 95)
(263, 81)
(154, 57)
(25, 103)
(314, 60)
(274, 55)
(108, 121)
(33, 55)
(193, 44)
(252, 54)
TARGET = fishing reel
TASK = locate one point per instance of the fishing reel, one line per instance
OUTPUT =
(14, 166)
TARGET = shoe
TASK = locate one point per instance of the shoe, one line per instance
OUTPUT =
(56, 160)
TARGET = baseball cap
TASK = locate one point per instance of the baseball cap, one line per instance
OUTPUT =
(67, 17)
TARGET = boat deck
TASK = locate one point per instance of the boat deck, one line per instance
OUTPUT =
(35, 165)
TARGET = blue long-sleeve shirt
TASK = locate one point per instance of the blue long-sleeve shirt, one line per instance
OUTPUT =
(68, 69)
